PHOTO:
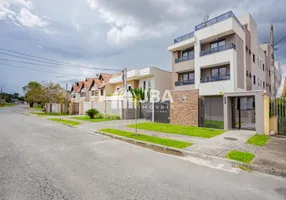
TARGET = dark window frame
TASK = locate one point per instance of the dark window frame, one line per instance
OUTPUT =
(254, 79)
(181, 75)
(253, 58)
(218, 68)
(217, 42)
(101, 92)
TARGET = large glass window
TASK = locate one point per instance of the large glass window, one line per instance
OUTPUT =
(187, 76)
(217, 44)
(221, 71)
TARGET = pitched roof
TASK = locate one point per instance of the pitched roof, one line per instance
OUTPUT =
(97, 82)
(74, 88)
(88, 83)
(105, 77)
(80, 86)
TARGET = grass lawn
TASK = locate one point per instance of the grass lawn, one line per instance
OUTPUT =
(213, 124)
(151, 139)
(6, 104)
(240, 156)
(87, 118)
(63, 121)
(258, 140)
(38, 107)
(177, 129)
(43, 114)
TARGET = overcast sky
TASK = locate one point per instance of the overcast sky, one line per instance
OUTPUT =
(112, 34)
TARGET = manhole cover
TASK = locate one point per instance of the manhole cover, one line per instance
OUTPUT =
(229, 138)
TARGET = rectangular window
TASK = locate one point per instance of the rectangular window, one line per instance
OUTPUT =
(187, 76)
(269, 73)
(254, 58)
(92, 93)
(144, 85)
(254, 79)
(101, 92)
(149, 84)
(188, 52)
(214, 72)
(263, 85)
(217, 44)
(263, 67)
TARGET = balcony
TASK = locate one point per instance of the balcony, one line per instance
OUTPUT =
(185, 82)
(217, 49)
(184, 58)
(215, 78)
(184, 37)
(218, 19)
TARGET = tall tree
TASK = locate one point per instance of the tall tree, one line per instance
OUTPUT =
(53, 93)
(33, 93)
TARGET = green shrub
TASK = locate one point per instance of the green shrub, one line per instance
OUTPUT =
(92, 112)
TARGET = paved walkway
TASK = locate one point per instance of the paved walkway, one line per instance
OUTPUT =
(220, 145)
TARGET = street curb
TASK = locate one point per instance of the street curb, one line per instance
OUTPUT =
(182, 152)
(156, 147)
(266, 170)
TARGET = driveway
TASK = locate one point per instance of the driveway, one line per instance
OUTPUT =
(40, 159)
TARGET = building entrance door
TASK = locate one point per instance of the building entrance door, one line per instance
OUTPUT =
(243, 112)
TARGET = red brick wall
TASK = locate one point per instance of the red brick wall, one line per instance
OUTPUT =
(185, 113)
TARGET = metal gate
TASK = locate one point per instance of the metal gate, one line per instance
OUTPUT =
(243, 112)
(278, 109)
(74, 109)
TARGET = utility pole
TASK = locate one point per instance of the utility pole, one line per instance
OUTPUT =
(125, 96)
(272, 63)
(2, 91)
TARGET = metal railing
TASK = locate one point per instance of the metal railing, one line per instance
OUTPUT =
(215, 78)
(184, 37)
(217, 49)
(184, 58)
(218, 19)
(185, 82)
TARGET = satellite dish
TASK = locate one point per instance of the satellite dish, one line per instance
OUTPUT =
(206, 18)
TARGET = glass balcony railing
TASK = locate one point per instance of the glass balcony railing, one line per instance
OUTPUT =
(217, 49)
(185, 82)
(184, 58)
(184, 37)
(218, 19)
(215, 78)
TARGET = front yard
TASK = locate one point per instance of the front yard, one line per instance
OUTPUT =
(151, 139)
(43, 114)
(66, 122)
(177, 129)
(6, 104)
(98, 118)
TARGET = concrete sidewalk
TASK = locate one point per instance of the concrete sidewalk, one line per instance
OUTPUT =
(273, 154)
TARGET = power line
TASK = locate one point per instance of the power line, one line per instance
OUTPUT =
(280, 40)
(53, 66)
(50, 61)
(52, 72)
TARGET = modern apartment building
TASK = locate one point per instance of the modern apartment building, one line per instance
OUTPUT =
(222, 58)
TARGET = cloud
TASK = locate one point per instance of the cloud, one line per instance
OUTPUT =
(20, 10)
(28, 19)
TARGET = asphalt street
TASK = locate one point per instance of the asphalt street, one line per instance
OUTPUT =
(40, 159)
